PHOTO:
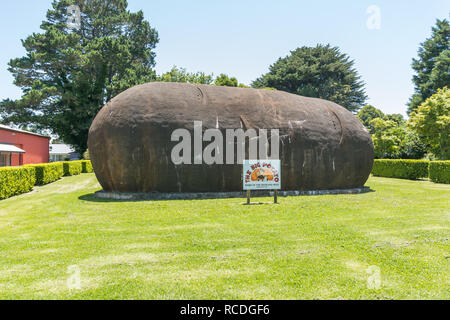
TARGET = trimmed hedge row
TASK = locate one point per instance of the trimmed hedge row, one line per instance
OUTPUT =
(86, 166)
(403, 169)
(72, 168)
(440, 171)
(15, 181)
(437, 171)
(47, 173)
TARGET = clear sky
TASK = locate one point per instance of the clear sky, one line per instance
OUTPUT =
(243, 38)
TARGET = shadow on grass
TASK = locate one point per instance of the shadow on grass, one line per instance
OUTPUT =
(259, 204)
(92, 197)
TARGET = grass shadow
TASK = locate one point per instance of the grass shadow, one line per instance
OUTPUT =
(92, 198)
(259, 203)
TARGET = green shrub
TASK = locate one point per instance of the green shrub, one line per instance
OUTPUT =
(440, 171)
(86, 166)
(72, 168)
(86, 155)
(47, 172)
(15, 181)
(403, 169)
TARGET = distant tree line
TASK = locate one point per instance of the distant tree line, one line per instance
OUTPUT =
(426, 133)
(181, 75)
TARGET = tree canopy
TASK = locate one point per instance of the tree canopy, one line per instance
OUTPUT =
(181, 75)
(432, 66)
(367, 114)
(431, 121)
(69, 73)
(224, 80)
(393, 140)
(391, 137)
(387, 138)
(321, 72)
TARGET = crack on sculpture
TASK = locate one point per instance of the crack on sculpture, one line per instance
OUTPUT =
(201, 94)
(341, 140)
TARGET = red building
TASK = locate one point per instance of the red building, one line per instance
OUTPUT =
(19, 147)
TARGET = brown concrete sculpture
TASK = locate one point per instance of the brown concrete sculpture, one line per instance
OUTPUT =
(323, 146)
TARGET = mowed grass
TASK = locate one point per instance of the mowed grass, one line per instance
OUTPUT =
(318, 247)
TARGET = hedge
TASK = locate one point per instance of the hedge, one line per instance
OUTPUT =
(72, 168)
(15, 181)
(440, 171)
(403, 169)
(48, 172)
(86, 166)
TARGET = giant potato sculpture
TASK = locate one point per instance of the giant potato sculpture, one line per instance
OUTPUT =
(323, 146)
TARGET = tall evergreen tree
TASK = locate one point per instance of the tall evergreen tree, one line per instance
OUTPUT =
(432, 67)
(77, 63)
(321, 72)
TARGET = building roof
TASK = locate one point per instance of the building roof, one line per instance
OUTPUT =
(22, 131)
(4, 147)
(61, 149)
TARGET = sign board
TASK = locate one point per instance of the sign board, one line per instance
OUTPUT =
(261, 175)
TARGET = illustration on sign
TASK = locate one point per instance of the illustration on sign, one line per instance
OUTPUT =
(261, 175)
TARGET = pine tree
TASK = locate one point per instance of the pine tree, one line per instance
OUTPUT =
(320, 72)
(77, 63)
(432, 67)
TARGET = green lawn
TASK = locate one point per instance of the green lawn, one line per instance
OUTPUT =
(318, 247)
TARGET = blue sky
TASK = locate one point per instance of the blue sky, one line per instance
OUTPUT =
(243, 38)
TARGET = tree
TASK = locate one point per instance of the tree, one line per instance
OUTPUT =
(392, 139)
(86, 155)
(432, 67)
(181, 75)
(224, 80)
(68, 74)
(431, 121)
(321, 72)
(396, 117)
(367, 114)
(391, 136)
(387, 138)
(411, 146)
